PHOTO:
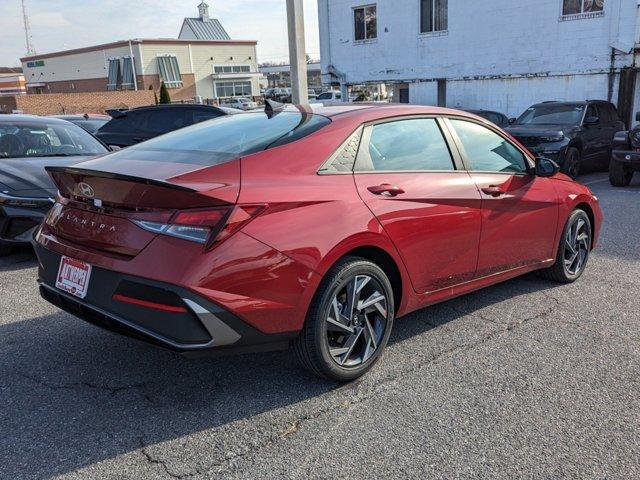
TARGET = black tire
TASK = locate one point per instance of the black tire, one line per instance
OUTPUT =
(572, 162)
(560, 272)
(620, 175)
(313, 346)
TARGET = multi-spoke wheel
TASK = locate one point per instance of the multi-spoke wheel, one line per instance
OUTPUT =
(349, 321)
(573, 251)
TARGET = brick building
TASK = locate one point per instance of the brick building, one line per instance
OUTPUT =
(209, 65)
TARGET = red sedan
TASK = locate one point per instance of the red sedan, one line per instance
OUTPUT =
(306, 228)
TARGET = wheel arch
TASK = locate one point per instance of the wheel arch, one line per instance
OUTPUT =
(379, 250)
(388, 265)
(586, 208)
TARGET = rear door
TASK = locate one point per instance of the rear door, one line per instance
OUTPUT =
(428, 205)
(519, 209)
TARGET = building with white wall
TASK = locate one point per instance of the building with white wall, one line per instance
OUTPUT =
(211, 68)
(495, 54)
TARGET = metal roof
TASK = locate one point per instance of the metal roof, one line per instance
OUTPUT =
(207, 30)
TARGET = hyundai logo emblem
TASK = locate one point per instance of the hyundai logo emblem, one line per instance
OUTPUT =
(85, 190)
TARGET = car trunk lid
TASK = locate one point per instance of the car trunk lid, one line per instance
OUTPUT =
(98, 208)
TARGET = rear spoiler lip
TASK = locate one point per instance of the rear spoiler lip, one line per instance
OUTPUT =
(119, 176)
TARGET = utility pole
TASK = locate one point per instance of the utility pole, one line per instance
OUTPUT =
(297, 52)
(27, 30)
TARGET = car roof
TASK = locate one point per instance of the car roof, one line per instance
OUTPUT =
(176, 106)
(475, 112)
(583, 102)
(382, 110)
(81, 116)
(14, 117)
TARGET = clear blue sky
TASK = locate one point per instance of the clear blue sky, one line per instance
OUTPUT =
(66, 24)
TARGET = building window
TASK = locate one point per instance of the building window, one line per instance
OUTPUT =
(127, 74)
(232, 89)
(365, 23)
(114, 75)
(434, 16)
(582, 8)
(170, 71)
(232, 69)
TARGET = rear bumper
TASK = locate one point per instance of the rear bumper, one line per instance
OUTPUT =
(628, 157)
(18, 224)
(202, 328)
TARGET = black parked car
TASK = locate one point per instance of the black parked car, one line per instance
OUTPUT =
(28, 144)
(91, 122)
(625, 157)
(574, 134)
(497, 118)
(128, 127)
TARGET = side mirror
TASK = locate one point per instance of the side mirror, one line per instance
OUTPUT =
(592, 120)
(546, 167)
(513, 120)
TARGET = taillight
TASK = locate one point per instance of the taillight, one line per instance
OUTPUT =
(209, 227)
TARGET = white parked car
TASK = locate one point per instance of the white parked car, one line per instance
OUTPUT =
(242, 103)
(330, 96)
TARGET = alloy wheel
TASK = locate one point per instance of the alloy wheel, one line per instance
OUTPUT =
(356, 321)
(576, 246)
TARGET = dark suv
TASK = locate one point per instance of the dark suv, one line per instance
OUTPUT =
(574, 134)
(128, 127)
(625, 157)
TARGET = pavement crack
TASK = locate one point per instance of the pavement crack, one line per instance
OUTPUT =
(165, 466)
(113, 390)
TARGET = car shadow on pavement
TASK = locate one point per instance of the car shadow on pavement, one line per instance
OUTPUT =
(75, 395)
(19, 259)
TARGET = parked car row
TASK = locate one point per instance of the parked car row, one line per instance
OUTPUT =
(577, 135)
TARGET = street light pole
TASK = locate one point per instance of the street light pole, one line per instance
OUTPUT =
(297, 52)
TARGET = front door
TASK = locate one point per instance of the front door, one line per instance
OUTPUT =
(595, 142)
(427, 204)
(519, 209)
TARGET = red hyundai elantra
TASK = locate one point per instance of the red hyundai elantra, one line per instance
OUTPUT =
(306, 228)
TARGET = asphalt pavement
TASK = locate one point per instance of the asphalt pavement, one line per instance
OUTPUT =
(527, 379)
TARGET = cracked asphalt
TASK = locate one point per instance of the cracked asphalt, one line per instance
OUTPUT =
(526, 379)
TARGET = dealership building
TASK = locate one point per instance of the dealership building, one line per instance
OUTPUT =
(202, 62)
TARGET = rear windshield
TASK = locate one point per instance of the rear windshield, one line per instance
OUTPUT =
(217, 141)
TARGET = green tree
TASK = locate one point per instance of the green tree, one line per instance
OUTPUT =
(164, 94)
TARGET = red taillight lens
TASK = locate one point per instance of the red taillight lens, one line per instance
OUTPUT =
(201, 218)
(239, 217)
(209, 227)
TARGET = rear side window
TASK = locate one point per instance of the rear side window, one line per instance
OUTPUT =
(204, 115)
(165, 120)
(125, 124)
(487, 151)
(405, 145)
(228, 137)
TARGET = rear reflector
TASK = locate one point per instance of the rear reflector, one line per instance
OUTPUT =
(209, 227)
(147, 304)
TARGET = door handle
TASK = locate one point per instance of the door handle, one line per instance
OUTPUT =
(494, 191)
(386, 190)
(137, 139)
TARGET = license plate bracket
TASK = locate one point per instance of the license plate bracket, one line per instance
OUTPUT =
(73, 277)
